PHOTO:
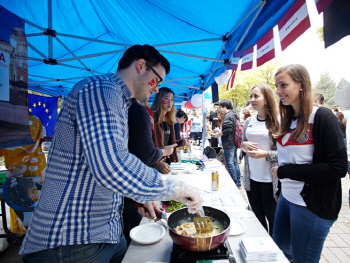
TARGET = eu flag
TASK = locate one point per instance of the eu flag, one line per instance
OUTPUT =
(45, 108)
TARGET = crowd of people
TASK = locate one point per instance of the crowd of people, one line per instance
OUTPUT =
(111, 151)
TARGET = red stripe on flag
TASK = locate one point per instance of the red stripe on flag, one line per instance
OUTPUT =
(295, 33)
(236, 56)
(247, 62)
(322, 4)
(292, 10)
(294, 23)
(231, 80)
(266, 57)
(261, 45)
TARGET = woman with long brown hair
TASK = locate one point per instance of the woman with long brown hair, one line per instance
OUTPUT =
(261, 155)
(312, 160)
(164, 119)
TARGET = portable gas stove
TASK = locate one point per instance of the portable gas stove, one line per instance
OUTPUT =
(222, 254)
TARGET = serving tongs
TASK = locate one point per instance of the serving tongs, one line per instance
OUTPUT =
(202, 223)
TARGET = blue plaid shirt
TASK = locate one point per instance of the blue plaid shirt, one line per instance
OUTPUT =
(90, 170)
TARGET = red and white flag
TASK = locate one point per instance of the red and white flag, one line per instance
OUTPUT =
(231, 80)
(247, 58)
(236, 56)
(322, 4)
(294, 23)
(265, 48)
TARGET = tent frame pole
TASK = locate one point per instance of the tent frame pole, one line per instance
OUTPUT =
(187, 42)
(192, 87)
(49, 26)
(66, 48)
(91, 55)
(261, 4)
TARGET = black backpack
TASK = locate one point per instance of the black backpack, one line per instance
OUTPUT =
(210, 152)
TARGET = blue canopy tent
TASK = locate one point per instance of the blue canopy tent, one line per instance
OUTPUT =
(69, 40)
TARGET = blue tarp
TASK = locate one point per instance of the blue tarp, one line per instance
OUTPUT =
(188, 33)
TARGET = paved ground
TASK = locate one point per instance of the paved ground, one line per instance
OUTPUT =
(336, 248)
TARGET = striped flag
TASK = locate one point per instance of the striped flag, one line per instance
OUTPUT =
(247, 58)
(236, 56)
(231, 80)
(265, 48)
(294, 23)
(322, 4)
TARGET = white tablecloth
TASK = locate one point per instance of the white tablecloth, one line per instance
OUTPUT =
(228, 199)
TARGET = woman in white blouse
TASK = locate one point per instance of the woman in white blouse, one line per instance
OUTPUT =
(261, 155)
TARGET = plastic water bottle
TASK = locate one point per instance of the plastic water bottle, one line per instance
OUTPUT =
(179, 155)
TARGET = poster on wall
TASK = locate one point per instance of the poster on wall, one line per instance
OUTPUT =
(14, 122)
(4, 76)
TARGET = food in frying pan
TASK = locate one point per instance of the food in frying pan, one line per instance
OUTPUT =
(188, 229)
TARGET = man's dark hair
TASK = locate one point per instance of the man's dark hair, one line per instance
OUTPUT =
(181, 114)
(216, 103)
(147, 52)
(226, 103)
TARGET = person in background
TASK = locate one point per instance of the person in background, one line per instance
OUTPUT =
(213, 124)
(181, 118)
(261, 155)
(164, 119)
(335, 110)
(318, 99)
(220, 115)
(227, 136)
(90, 169)
(246, 114)
(312, 160)
(342, 125)
(141, 145)
(348, 147)
(197, 126)
(27, 161)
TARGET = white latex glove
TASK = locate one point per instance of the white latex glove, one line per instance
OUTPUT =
(189, 196)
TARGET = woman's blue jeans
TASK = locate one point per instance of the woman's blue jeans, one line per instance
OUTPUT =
(299, 233)
(230, 155)
(87, 253)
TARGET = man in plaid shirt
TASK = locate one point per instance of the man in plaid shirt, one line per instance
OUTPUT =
(78, 215)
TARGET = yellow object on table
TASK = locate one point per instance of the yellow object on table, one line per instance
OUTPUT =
(28, 161)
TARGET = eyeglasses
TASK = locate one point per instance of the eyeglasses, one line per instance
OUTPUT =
(155, 72)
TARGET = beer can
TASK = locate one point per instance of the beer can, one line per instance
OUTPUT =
(215, 180)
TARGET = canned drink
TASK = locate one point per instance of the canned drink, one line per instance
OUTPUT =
(215, 181)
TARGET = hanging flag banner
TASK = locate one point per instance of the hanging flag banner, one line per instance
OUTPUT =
(236, 56)
(247, 58)
(265, 48)
(336, 23)
(294, 23)
(14, 118)
(322, 4)
(45, 108)
(231, 80)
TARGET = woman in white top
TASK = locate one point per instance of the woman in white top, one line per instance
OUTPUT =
(261, 155)
(311, 162)
(197, 124)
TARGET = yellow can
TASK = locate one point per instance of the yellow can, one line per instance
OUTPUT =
(215, 181)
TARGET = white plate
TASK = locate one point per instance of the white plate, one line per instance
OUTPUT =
(148, 233)
(237, 227)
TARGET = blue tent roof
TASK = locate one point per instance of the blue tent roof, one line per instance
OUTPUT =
(190, 34)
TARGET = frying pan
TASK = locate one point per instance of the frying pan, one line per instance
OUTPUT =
(198, 244)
